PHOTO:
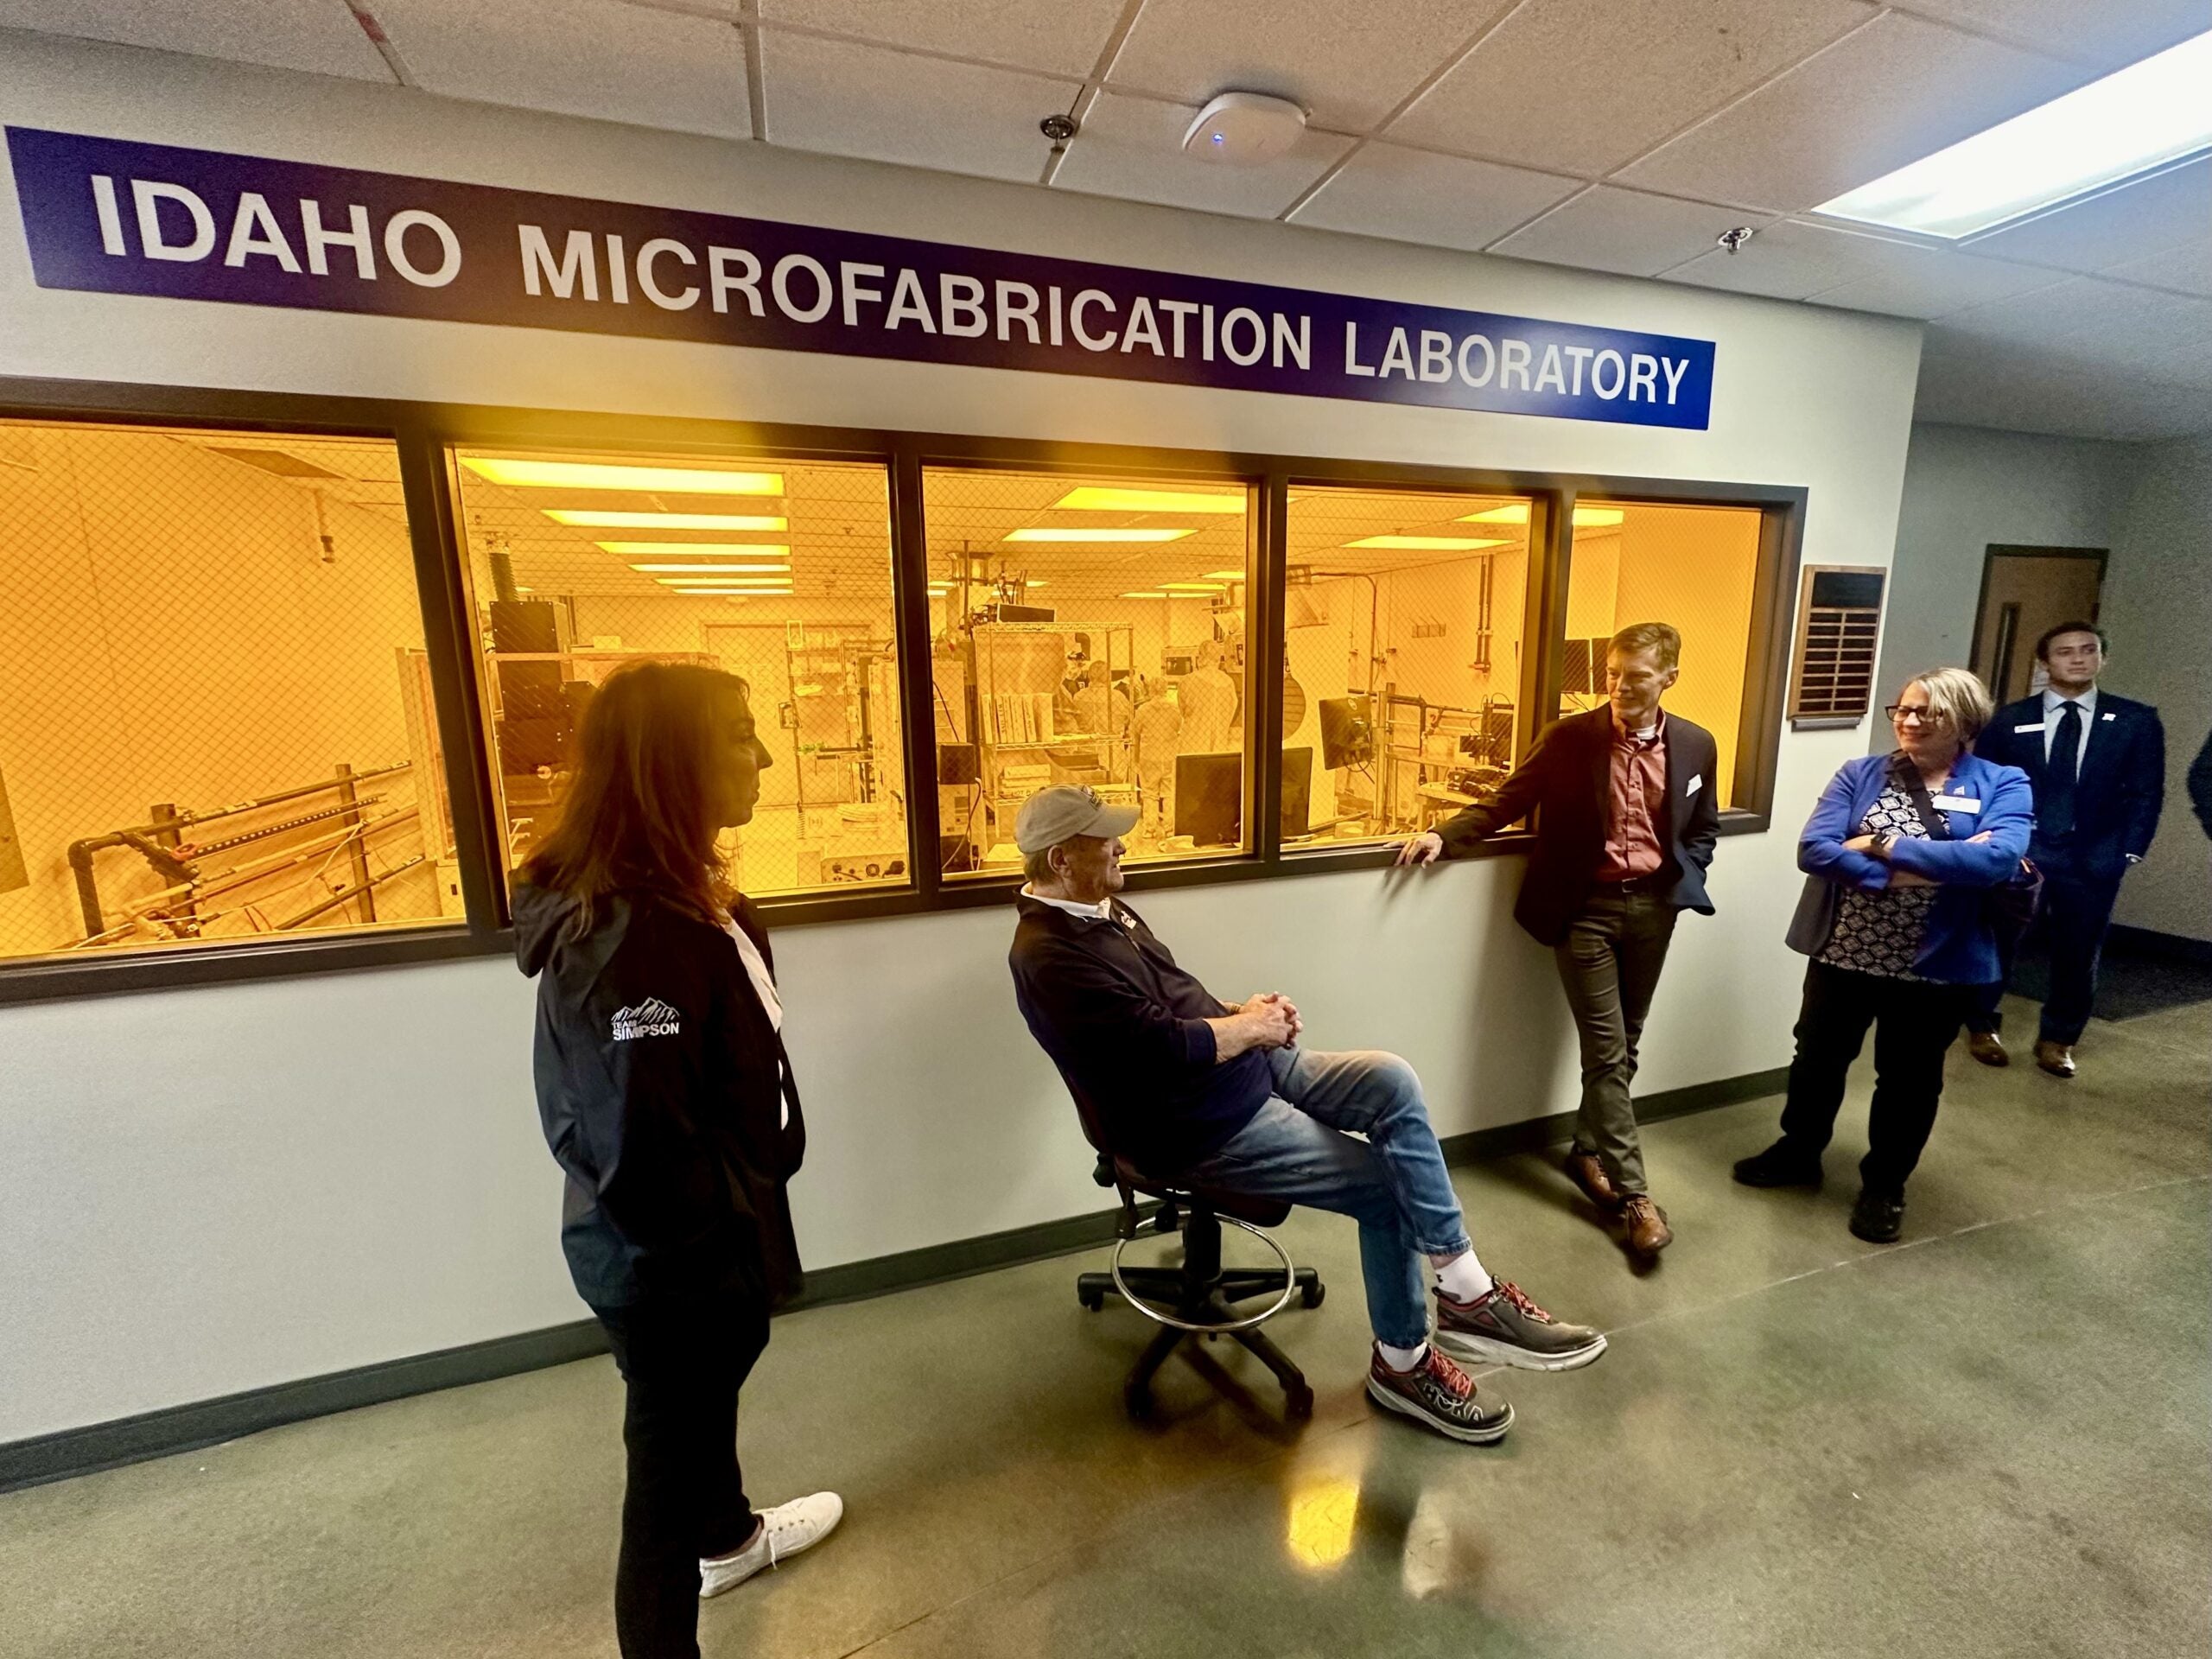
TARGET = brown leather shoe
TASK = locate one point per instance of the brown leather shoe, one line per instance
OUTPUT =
(2058, 1058)
(1647, 1232)
(1988, 1047)
(1585, 1170)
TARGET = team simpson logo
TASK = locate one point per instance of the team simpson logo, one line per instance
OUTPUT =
(650, 1018)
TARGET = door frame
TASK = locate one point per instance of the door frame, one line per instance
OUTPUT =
(1996, 550)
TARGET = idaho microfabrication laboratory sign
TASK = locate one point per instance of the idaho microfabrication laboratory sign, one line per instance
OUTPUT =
(106, 216)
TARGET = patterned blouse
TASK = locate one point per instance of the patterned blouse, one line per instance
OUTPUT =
(1881, 933)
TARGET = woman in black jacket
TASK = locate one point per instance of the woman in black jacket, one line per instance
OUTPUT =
(668, 1101)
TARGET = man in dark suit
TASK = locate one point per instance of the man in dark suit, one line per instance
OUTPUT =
(2098, 764)
(1627, 815)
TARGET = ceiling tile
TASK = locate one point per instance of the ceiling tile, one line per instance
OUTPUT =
(1441, 200)
(1055, 36)
(1132, 147)
(577, 57)
(2117, 32)
(1896, 91)
(1933, 282)
(1348, 64)
(1623, 230)
(848, 99)
(312, 34)
(2144, 218)
(1855, 272)
(2187, 268)
(1974, 382)
(2105, 325)
(1584, 86)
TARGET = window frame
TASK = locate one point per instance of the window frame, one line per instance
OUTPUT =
(426, 434)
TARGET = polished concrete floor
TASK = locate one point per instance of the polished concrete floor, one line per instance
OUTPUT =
(1992, 1439)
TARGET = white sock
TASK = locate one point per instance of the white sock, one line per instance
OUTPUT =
(1462, 1278)
(1401, 1359)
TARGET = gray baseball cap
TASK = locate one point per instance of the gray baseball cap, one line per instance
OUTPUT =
(1050, 815)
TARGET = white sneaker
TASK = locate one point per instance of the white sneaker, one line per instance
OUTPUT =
(785, 1531)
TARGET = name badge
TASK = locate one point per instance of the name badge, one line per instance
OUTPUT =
(1957, 803)
(2039, 727)
(1697, 782)
(2111, 716)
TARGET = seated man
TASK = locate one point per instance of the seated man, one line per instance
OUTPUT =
(1192, 1089)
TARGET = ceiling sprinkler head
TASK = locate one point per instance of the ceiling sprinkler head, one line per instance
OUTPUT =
(1734, 240)
(1057, 128)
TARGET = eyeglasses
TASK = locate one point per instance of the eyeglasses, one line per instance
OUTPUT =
(1902, 712)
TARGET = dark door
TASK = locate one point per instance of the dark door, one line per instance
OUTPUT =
(2026, 590)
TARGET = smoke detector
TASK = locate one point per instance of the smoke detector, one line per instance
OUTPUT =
(1243, 129)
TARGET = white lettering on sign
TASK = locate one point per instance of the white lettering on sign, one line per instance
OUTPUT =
(579, 263)
(319, 241)
(394, 248)
(148, 195)
(722, 284)
(683, 298)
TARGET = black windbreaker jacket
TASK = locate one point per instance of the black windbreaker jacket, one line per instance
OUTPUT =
(661, 1086)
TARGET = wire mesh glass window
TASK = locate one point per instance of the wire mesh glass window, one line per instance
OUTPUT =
(1695, 566)
(1088, 630)
(215, 714)
(776, 570)
(1403, 618)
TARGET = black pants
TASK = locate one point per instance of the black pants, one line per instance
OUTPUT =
(2073, 912)
(1915, 1022)
(682, 1361)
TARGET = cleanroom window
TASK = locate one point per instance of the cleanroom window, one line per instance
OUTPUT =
(1694, 567)
(776, 570)
(1401, 629)
(216, 721)
(1088, 630)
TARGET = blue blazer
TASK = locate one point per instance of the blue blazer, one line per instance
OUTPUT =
(2119, 789)
(1959, 949)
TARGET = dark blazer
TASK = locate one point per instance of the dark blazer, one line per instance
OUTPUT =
(1568, 781)
(662, 1088)
(2119, 789)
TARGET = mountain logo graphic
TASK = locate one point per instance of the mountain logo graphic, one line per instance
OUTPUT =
(650, 1018)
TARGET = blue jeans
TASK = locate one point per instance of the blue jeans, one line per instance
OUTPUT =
(1392, 1183)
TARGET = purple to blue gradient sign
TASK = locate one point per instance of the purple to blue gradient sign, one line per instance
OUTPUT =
(108, 216)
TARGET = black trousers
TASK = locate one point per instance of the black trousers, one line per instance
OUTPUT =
(1914, 1022)
(2073, 912)
(682, 1360)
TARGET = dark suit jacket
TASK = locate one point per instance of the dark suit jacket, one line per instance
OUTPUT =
(2116, 793)
(1568, 781)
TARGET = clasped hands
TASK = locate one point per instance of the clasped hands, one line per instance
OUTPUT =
(1271, 1018)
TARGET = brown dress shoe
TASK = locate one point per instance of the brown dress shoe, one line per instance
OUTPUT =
(1585, 1170)
(1647, 1232)
(2058, 1058)
(1988, 1047)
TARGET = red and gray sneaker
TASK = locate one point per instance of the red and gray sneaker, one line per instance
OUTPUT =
(1504, 1327)
(1438, 1393)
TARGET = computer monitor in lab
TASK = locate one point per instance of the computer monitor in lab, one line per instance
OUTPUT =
(1347, 732)
(1210, 796)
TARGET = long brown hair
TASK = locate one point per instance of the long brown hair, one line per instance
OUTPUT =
(638, 814)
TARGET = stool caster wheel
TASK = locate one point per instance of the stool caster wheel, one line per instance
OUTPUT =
(1311, 1297)
(1093, 1300)
(1299, 1405)
(1137, 1401)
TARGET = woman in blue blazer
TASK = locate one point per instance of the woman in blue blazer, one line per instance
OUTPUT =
(1899, 857)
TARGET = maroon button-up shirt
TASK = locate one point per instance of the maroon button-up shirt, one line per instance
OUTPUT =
(1637, 796)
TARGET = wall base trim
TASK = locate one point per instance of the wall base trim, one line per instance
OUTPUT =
(176, 1429)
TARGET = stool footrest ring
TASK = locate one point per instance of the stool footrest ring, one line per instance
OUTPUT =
(1289, 1287)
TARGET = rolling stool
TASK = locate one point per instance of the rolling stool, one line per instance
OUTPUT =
(1199, 1298)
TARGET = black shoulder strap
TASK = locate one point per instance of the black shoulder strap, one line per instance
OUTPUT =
(1939, 827)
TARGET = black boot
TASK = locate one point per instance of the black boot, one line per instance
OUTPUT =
(1780, 1165)
(1877, 1219)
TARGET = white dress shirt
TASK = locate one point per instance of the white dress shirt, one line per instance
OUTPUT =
(763, 986)
(1101, 911)
(2052, 703)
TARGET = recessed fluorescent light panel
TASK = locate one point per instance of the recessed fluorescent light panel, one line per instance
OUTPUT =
(703, 549)
(2148, 117)
(1094, 538)
(592, 520)
(1224, 576)
(1585, 518)
(1427, 544)
(782, 572)
(1148, 593)
(1093, 498)
(599, 475)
